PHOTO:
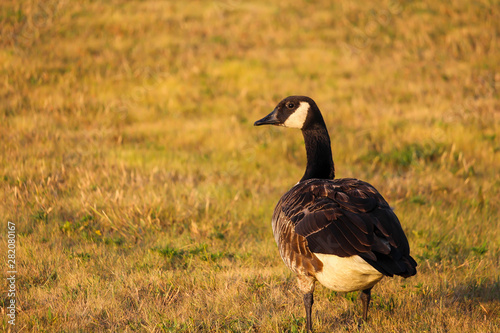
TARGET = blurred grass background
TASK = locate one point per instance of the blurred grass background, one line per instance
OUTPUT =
(142, 194)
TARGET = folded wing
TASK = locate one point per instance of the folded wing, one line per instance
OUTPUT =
(347, 217)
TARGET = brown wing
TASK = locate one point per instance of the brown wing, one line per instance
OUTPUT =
(347, 217)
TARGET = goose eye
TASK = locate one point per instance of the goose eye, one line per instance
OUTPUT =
(290, 105)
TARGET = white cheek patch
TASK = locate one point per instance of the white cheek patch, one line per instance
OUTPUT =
(297, 119)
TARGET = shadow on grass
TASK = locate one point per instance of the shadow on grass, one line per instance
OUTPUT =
(484, 290)
(474, 297)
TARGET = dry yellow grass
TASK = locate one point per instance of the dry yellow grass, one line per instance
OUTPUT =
(142, 194)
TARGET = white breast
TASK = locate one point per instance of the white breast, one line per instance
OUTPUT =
(346, 274)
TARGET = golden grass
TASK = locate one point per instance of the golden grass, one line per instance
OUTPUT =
(142, 194)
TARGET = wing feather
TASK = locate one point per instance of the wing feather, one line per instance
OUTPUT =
(347, 217)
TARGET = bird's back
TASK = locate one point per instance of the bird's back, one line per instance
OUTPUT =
(344, 218)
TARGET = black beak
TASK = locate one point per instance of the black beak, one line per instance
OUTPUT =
(270, 119)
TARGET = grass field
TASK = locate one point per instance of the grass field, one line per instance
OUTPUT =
(142, 194)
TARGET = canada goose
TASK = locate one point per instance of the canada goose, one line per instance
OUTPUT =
(340, 232)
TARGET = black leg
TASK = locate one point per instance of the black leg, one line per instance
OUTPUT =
(365, 300)
(308, 303)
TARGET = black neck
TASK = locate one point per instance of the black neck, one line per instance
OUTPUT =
(319, 153)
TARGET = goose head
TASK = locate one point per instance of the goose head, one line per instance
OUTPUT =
(294, 112)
